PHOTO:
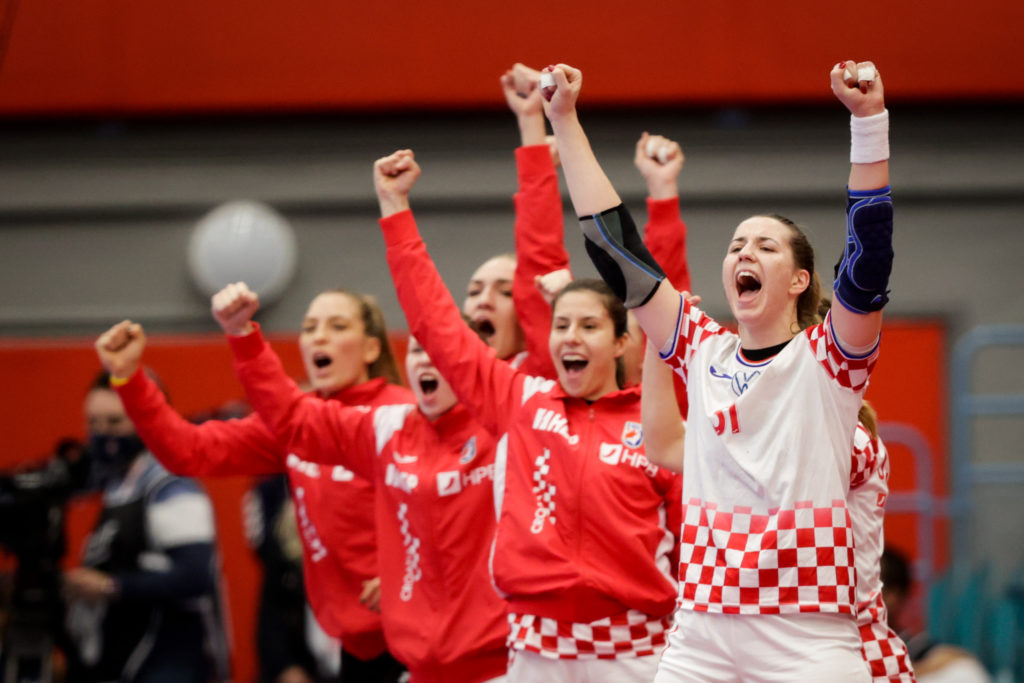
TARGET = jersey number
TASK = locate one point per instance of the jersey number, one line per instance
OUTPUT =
(730, 419)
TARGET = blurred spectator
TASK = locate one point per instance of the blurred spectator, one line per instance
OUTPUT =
(933, 662)
(284, 641)
(144, 607)
(33, 496)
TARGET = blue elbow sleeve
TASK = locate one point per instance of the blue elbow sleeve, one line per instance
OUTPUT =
(614, 245)
(862, 274)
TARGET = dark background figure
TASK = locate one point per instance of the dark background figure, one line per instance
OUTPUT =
(32, 530)
(934, 662)
(281, 628)
(144, 607)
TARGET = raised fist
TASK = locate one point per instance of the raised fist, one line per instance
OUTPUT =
(233, 308)
(120, 348)
(858, 85)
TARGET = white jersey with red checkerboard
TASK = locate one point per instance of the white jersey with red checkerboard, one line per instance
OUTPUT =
(766, 529)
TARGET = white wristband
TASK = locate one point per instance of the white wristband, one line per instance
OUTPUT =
(869, 138)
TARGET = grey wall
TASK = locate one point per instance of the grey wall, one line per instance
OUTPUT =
(95, 218)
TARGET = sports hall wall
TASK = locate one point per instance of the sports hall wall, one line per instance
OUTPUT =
(120, 55)
(124, 122)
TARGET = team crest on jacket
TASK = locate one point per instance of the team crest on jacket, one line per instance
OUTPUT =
(468, 451)
(632, 434)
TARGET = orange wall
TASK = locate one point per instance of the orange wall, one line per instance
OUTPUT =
(109, 56)
(909, 387)
(46, 382)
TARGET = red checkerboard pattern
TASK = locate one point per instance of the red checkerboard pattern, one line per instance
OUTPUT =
(692, 328)
(864, 460)
(883, 650)
(630, 634)
(852, 373)
(784, 561)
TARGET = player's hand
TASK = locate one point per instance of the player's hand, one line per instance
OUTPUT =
(659, 161)
(120, 348)
(862, 97)
(521, 87)
(233, 308)
(293, 674)
(89, 585)
(550, 284)
(560, 99)
(393, 179)
(370, 595)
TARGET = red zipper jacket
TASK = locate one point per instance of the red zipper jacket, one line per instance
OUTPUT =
(434, 513)
(339, 547)
(583, 531)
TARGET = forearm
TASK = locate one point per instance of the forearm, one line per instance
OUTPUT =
(589, 188)
(872, 176)
(190, 575)
(664, 433)
(214, 448)
(531, 128)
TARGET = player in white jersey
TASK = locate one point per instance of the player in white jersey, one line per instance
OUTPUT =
(884, 652)
(767, 591)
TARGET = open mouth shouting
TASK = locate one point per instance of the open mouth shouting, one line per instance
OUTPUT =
(428, 383)
(321, 360)
(747, 285)
(485, 326)
(574, 363)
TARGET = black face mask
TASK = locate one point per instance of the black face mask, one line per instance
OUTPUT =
(110, 454)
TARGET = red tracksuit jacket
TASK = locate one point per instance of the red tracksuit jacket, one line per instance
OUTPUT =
(582, 532)
(338, 542)
(434, 512)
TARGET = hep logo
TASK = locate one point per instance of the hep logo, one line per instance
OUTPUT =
(632, 434)
(610, 453)
(449, 483)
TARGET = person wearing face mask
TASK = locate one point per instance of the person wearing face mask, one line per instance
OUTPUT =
(348, 359)
(583, 540)
(433, 468)
(144, 605)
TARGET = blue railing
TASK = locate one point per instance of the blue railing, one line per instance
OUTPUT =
(921, 501)
(966, 406)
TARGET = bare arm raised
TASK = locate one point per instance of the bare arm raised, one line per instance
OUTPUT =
(616, 249)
